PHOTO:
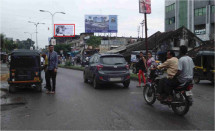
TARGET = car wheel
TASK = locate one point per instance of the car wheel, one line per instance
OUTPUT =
(85, 79)
(95, 83)
(126, 83)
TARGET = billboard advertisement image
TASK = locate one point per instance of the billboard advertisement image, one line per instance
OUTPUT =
(145, 6)
(64, 30)
(100, 23)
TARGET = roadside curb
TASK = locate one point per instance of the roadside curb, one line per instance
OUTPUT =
(132, 77)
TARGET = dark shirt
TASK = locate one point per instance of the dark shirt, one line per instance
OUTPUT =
(141, 64)
(52, 60)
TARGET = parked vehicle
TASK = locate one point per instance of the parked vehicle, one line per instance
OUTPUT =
(204, 66)
(25, 70)
(182, 95)
(107, 68)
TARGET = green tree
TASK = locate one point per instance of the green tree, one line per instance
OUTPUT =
(65, 47)
(7, 45)
(94, 41)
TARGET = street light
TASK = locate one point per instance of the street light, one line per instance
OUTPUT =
(36, 24)
(52, 14)
(142, 23)
(30, 35)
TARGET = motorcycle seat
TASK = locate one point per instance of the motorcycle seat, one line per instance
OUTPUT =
(183, 85)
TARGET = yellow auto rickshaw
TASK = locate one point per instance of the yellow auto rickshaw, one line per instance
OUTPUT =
(204, 66)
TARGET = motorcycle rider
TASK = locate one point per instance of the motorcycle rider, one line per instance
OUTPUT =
(166, 83)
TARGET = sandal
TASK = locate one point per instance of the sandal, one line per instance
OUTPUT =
(52, 92)
(47, 92)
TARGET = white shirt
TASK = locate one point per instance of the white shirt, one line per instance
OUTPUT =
(185, 65)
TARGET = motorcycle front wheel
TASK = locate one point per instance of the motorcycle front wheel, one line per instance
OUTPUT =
(181, 109)
(149, 94)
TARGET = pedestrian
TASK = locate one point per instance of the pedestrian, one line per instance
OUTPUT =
(141, 64)
(45, 68)
(52, 69)
(150, 62)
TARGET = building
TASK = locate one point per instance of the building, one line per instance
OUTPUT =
(161, 42)
(195, 15)
(107, 45)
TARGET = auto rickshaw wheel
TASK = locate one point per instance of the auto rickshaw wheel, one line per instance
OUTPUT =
(196, 80)
(12, 89)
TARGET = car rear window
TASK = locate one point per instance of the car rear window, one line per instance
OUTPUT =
(112, 60)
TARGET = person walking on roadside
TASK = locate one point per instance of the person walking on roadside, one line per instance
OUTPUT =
(150, 62)
(142, 68)
(52, 69)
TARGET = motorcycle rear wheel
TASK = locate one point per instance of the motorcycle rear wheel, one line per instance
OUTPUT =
(184, 110)
(149, 95)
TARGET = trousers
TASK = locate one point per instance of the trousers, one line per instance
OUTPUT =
(166, 85)
(139, 76)
(51, 75)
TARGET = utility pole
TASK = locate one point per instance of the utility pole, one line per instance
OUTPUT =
(138, 31)
(142, 23)
(36, 24)
(146, 41)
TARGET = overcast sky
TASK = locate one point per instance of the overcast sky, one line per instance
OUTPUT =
(15, 15)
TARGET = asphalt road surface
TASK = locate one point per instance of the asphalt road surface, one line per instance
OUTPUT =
(78, 106)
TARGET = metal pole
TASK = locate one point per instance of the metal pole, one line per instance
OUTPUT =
(31, 40)
(36, 36)
(146, 36)
(52, 25)
(142, 31)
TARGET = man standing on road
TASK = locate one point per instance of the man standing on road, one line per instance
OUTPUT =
(52, 69)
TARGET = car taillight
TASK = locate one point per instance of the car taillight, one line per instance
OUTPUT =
(99, 67)
(127, 67)
(190, 87)
(101, 78)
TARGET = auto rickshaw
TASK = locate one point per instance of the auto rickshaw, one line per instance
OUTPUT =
(25, 70)
(204, 66)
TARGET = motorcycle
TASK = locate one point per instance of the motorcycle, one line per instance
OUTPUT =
(181, 95)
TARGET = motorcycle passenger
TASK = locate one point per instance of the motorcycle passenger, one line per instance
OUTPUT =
(185, 67)
(166, 84)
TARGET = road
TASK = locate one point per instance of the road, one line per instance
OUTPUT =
(78, 106)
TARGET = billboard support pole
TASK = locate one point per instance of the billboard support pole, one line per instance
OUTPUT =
(146, 42)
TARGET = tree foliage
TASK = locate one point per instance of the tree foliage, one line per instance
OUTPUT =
(94, 41)
(7, 45)
(65, 47)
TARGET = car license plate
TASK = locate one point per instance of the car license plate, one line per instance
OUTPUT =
(115, 79)
(189, 93)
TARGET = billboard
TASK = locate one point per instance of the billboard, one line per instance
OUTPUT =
(100, 23)
(64, 30)
(145, 6)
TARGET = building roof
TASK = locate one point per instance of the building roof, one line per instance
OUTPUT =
(154, 41)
